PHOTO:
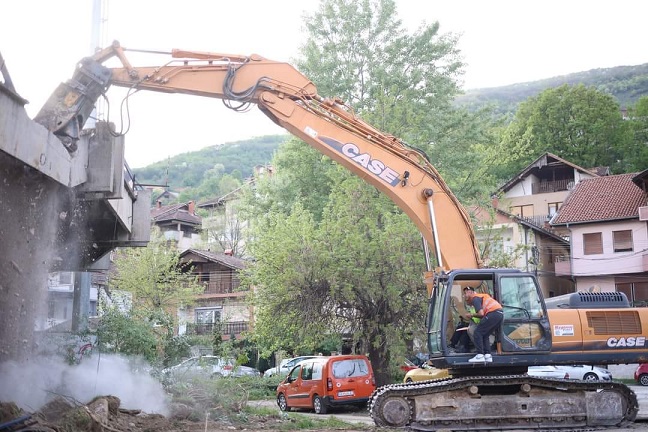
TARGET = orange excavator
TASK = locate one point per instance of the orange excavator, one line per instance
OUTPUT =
(592, 328)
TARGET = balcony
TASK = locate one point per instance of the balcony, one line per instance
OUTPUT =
(229, 328)
(541, 221)
(552, 186)
(562, 265)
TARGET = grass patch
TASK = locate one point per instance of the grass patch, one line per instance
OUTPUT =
(295, 421)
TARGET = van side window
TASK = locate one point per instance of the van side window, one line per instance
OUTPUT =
(307, 371)
(317, 371)
(350, 368)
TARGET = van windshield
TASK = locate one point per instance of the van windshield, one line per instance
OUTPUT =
(350, 368)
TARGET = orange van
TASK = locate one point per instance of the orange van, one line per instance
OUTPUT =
(323, 382)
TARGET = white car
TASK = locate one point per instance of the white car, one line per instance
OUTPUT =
(207, 366)
(285, 366)
(576, 372)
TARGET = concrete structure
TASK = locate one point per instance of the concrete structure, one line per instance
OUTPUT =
(61, 211)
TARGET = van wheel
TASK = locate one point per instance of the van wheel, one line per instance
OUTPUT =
(283, 403)
(318, 405)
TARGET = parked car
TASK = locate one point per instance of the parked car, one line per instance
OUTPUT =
(207, 367)
(574, 372)
(641, 374)
(425, 372)
(285, 366)
(547, 372)
(323, 382)
(407, 365)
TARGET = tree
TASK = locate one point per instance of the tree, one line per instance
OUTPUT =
(374, 262)
(157, 286)
(577, 123)
(403, 84)
(358, 274)
(345, 259)
(636, 155)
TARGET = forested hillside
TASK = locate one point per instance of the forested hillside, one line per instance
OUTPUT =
(626, 83)
(188, 169)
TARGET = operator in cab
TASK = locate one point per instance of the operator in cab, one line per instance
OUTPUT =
(491, 316)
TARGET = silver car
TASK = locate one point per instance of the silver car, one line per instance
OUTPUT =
(574, 372)
(285, 366)
(207, 367)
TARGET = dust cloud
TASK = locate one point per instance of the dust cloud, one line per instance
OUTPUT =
(33, 383)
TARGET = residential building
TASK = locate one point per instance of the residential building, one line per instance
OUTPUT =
(222, 304)
(223, 229)
(606, 219)
(532, 248)
(523, 208)
(60, 299)
(536, 193)
(178, 222)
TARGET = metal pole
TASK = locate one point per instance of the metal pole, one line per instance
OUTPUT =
(437, 248)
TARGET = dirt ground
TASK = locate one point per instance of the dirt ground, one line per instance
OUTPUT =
(104, 414)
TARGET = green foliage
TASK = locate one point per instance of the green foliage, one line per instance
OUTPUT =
(579, 124)
(176, 348)
(332, 255)
(154, 277)
(626, 83)
(212, 171)
(121, 332)
(302, 175)
(636, 154)
(155, 287)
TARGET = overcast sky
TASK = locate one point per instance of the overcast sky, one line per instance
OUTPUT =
(502, 42)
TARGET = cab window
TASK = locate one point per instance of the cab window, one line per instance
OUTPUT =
(520, 298)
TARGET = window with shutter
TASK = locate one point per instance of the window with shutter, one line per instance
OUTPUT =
(622, 241)
(592, 243)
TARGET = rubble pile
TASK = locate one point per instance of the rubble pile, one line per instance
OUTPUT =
(102, 414)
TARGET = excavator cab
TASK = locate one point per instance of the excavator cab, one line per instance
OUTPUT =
(524, 334)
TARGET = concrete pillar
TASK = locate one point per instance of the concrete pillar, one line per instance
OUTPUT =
(81, 302)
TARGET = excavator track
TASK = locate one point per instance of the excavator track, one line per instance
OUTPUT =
(503, 402)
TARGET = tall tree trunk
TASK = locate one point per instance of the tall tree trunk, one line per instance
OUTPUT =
(379, 357)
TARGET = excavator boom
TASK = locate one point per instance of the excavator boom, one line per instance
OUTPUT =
(290, 100)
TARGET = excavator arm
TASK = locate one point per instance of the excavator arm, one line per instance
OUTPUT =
(290, 100)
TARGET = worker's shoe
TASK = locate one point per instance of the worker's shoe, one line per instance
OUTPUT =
(479, 358)
(488, 358)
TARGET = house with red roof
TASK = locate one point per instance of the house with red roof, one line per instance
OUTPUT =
(606, 221)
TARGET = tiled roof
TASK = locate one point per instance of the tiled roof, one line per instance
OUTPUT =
(228, 260)
(602, 199)
(175, 212)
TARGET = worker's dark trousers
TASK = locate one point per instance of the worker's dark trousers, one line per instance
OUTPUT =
(488, 323)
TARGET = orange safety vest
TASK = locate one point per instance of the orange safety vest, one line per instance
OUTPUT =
(489, 304)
